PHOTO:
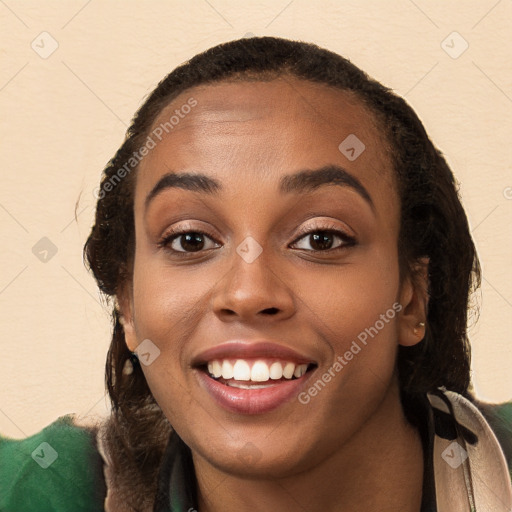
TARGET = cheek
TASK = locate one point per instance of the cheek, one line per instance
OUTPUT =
(167, 301)
(354, 310)
(168, 308)
(349, 299)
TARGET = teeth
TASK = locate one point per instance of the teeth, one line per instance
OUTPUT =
(241, 370)
(288, 370)
(227, 370)
(216, 370)
(276, 370)
(260, 371)
(235, 384)
(300, 370)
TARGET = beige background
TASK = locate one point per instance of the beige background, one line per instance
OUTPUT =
(64, 116)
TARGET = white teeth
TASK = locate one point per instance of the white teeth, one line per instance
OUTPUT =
(241, 370)
(216, 370)
(260, 371)
(300, 370)
(235, 384)
(288, 370)
(227, 370)
(276, 370)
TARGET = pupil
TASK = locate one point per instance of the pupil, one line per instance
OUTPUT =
(194, 239)
(323, 241)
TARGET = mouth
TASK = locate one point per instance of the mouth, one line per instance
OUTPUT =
(255, 382)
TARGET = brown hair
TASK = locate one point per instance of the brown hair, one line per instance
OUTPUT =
(433, 225)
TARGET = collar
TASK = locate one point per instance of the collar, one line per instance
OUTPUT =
(470, 469)
(465, 468)
(177, 484)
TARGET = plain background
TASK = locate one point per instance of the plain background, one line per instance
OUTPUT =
(64, 114)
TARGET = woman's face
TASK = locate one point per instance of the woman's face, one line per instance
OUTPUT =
(290, 260)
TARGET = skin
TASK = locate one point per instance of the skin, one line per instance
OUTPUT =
(350, 448)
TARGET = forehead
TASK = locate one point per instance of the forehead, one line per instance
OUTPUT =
(287, 98)
(264, 129)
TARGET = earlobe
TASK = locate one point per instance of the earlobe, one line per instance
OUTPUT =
(416, 330)
(129, 336)
(414, 299)
(125, 308)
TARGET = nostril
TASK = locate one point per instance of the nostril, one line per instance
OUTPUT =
(271, 311)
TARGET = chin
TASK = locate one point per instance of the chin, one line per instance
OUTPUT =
(252, 465)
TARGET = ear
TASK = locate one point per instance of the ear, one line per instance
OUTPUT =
(124, 301)
(414, 301)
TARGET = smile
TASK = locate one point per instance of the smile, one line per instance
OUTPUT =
(263, 392)
(252, 377)
(254, 371)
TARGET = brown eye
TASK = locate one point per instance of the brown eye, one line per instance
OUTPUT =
(323, 240)
(186, 242)
(191, 242)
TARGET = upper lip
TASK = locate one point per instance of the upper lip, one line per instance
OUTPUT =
(240, 349)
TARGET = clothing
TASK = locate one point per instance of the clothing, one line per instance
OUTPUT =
(73, 481)
(474, 472)
(446, 485)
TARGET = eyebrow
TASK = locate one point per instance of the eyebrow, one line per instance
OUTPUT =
(304, 181)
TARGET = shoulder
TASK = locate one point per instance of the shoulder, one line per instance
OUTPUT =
(57, 469)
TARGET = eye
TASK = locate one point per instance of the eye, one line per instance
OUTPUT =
(323, 239)
(186, 241)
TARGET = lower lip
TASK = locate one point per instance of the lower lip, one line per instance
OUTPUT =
(252, 401)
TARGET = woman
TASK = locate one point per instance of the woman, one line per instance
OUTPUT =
(290, 267)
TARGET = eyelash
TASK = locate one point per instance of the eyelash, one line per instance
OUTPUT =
(349, 241)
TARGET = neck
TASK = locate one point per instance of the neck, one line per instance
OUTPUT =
(367, 473)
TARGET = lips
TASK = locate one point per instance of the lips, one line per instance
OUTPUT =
(252, 377)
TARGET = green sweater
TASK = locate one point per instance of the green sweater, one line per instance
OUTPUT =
(57, 469)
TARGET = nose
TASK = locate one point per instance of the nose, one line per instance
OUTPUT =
(253, 290)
